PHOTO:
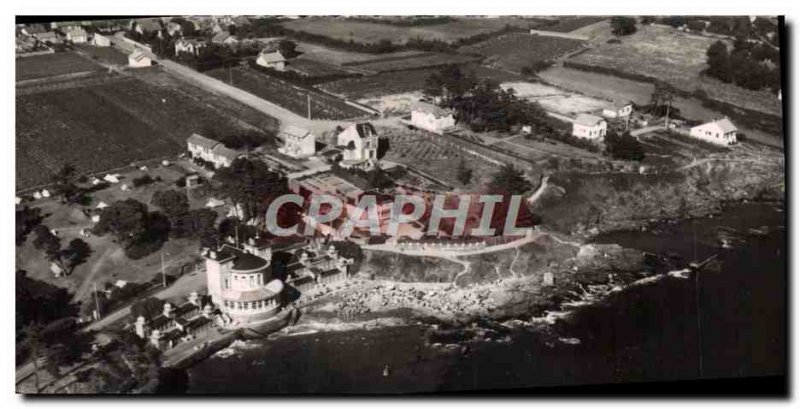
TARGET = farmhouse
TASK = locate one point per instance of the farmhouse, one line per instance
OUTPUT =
(431, 117)
(271, 59)
(211, 151)
(139, 59)
(298, 142)
(225, 38)
(190, 46)
(720, 132)
(359, 145)
(589, 126)
(174, 28)
(618, 111)
(99, 40)
(77, 35)
(147, 26)
(48, 37)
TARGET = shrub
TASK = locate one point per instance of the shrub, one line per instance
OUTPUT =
(141, 181)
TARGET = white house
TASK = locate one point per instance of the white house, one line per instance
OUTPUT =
(720, 132)
(225, 38)
(271, 59)
(297, 142)
(99, 40)
(210, 150)
(618, 111)
(139, 59)
(77, 35)
(431, 117)
(589, 127)
(190, 46)
(359, 144)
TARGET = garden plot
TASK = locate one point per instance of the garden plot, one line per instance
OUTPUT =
(394, 104)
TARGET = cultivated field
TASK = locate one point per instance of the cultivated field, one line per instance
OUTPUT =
(426, 154)
(49, 65)
(104, 126)
(665, 54)
(368, 32)
(401, 63)
(517, 50)
(287, 95)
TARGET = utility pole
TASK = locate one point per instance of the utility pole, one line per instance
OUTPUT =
(96, 301)
(666, 117)
(230, 75)
(163, 272)
(236, 232)
(309, 106)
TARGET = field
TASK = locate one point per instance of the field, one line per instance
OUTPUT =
(49, 65)
(315, 69)
(367, 32)
(400, 63)
(517, 50)
(401, 82)
(554, 99)
(107, 55)
(568, 24)
(335, 56)
(663, 53)
(105, 125)
(429, 156)
(387, 83)
(287, 95)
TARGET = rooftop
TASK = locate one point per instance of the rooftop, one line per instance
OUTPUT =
(200, 140)
(427, 108)
(588, 120)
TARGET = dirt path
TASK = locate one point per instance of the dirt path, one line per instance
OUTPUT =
(86, 286)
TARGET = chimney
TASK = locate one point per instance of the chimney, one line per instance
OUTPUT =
(168, 310)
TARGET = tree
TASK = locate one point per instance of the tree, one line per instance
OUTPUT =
(64, 182)
(463, 173)
(126, 220)
(622, 26)
(623, 146)
(148, 308)
(172, 202)
(288, 48)
(251, 184)
(509, 180)
(26, 219)
(76, 253)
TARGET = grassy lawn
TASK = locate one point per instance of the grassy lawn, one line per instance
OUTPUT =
(400, 63)
(49, 65)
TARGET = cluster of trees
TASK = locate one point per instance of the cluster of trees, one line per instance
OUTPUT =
(751, 65)
(185, 222)
(485, 106)
(252, 185)
(76, 252)
(26, 219)
(623, 146)
(137, 230)
(240, 139)
(65, 183)
(537, 66)
(623, 26)
(45, 329)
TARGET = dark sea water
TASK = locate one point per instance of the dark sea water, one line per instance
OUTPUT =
(726, 323)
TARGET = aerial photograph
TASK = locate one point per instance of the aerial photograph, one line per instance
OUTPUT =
(399, 204)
